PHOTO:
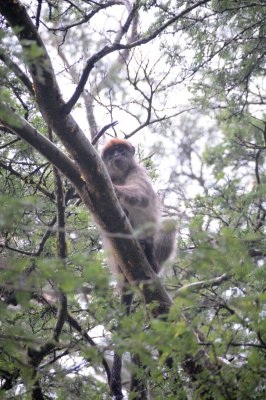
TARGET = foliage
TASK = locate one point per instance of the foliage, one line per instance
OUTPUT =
(191, 96)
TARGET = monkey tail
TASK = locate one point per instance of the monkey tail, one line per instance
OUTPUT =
(164, 244)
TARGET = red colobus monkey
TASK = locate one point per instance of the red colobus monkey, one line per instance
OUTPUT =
(139, 201)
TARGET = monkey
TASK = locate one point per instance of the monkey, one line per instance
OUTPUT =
(134, 192)
(142, 207)
(139, 201)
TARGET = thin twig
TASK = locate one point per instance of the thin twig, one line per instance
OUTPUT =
(101, 132)
(203, 284)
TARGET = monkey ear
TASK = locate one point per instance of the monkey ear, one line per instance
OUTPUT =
(132, 150)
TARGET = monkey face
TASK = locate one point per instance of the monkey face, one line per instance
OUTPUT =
(118, 159)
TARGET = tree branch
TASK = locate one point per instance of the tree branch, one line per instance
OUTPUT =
(17, 71)
(104, 129)
(87, 17)
(61, 246)
(118, 46)
(196, 286)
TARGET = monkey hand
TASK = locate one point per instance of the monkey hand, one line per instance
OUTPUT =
(129, 195)
(123, 194)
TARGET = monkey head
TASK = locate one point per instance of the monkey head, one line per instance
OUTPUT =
(118, 156)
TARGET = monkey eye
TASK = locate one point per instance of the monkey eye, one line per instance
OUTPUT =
(121, 149)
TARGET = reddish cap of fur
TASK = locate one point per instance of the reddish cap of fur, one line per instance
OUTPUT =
(115, 142)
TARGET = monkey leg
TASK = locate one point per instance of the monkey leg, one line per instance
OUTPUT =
(148, 248)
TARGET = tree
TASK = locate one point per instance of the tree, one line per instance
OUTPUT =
(203, 337)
